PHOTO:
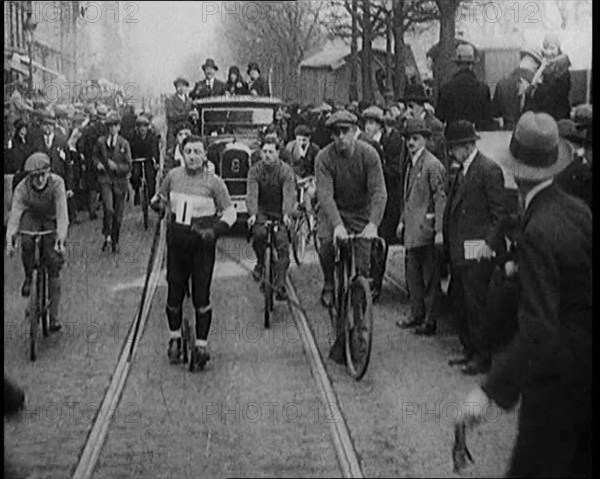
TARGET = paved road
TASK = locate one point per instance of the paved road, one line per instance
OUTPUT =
(255, 410)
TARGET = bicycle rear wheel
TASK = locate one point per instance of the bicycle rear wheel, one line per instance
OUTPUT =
(359, 328)
(145, 202)
(268, 286)
(300, 237)
(339, 309)
(32, 315)
(43, 301)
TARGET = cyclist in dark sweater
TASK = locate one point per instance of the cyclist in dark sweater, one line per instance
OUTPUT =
(271, 196)
(199, 210)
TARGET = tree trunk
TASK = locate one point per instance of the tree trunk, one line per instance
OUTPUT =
(389, 57)
(367, 54)
(444, 65)
(399, 67)
(354, 53)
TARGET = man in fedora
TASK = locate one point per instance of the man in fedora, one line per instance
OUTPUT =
(352, 196)
(210, 86)
(464, 97)
(548, 364)
(509, 96)
(476, 204)
(112, 159)
(257, 86)
(420, 227)
(177, 109)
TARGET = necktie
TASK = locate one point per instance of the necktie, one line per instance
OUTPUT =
(48, 141)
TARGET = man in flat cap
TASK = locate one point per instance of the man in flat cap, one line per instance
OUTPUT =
(548, 366)
(257, 86)
(210, 86)
(420, 227)
(177, 109)
(112, 159)
(464, 97)
(144, 144)
(352, 196)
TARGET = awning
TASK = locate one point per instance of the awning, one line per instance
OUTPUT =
(23, 61)
(11, 63)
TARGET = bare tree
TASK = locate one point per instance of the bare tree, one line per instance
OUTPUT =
(354, 53)
(443, 66)
(281, 36)
(367, 54)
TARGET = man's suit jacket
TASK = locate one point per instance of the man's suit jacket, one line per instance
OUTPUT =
(59, 154)
(202, 90)
(507, 103)
(549, 362)
(424, 200)
(474, 209)
(464, 97)
(120, 154)
(177, 110)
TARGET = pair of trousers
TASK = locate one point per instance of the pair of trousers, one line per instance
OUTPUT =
(423, 281)
(113, 202)
(189, 256)
(259, 244)
(470, 285)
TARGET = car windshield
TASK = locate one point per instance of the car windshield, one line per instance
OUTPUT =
(235, 121)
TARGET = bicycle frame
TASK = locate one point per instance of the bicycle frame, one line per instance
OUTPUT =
(38, 304)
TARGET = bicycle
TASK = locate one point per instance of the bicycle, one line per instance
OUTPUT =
(38, 305)
(304, 224)
(352, 294)
(144, 191)
(267, 276)
(187, 334)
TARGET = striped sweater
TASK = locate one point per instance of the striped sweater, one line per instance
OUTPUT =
(200, 195)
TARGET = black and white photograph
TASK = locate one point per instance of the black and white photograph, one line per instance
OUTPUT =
(298, 238)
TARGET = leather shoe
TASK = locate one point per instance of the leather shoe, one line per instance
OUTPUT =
(412, 323)
(427, 329)
(115, 248)
(476, 366)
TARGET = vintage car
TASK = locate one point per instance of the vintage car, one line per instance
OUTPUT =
(234, 125)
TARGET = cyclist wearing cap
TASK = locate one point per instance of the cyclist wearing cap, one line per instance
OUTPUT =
(40, 203)
(144, 144)
(193, 197)
(112, 159)
(175, 156)
(271, 196)
(352, 196)
(300, 154)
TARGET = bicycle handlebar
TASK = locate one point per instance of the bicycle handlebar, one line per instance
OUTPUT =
(352, 237)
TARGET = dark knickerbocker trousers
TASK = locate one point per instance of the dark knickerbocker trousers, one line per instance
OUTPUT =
(188, 255)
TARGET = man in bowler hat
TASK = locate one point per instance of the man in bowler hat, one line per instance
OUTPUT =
(210, 86)
(177, 108)
(476, 204)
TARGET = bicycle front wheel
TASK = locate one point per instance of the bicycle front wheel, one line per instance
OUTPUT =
(32, 315)
(145, 202)
(43, 303)
(300, 237)
(359, 328)
(268, 286)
